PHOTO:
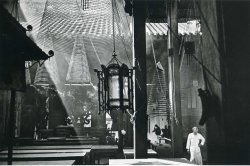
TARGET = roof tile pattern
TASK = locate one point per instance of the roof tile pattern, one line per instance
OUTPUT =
(68, 18)
(33, 11)
(65, 21)
(191, 27)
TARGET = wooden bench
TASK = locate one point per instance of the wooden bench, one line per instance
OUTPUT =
(57, 162)
(98, 151)
(129, 153)
(37, 151)
(67, 141)
(43, 156)
(78, 153)
(54, 147)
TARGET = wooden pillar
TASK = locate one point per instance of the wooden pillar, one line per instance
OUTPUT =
(174, 78)
(11, 126)
(140, 144)
(130, 134)
(233, 47)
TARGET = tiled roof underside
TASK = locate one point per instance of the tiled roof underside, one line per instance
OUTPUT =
(64, 21)
(94, 26)
(191, 27)
(62, 17)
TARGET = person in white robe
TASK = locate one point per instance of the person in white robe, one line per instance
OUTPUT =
(194, 141)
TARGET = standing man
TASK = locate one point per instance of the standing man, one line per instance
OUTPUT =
(194, 141)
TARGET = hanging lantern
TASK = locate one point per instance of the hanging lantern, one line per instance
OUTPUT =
(115, 86)
(115, 83)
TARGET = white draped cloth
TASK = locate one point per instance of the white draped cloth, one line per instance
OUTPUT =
(194, 142)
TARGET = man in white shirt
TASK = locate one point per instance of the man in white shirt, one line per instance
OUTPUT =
(194, 141)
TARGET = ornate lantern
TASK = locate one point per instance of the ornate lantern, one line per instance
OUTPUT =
(115, 86)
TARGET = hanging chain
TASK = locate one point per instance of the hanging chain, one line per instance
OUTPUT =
(113, 21)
